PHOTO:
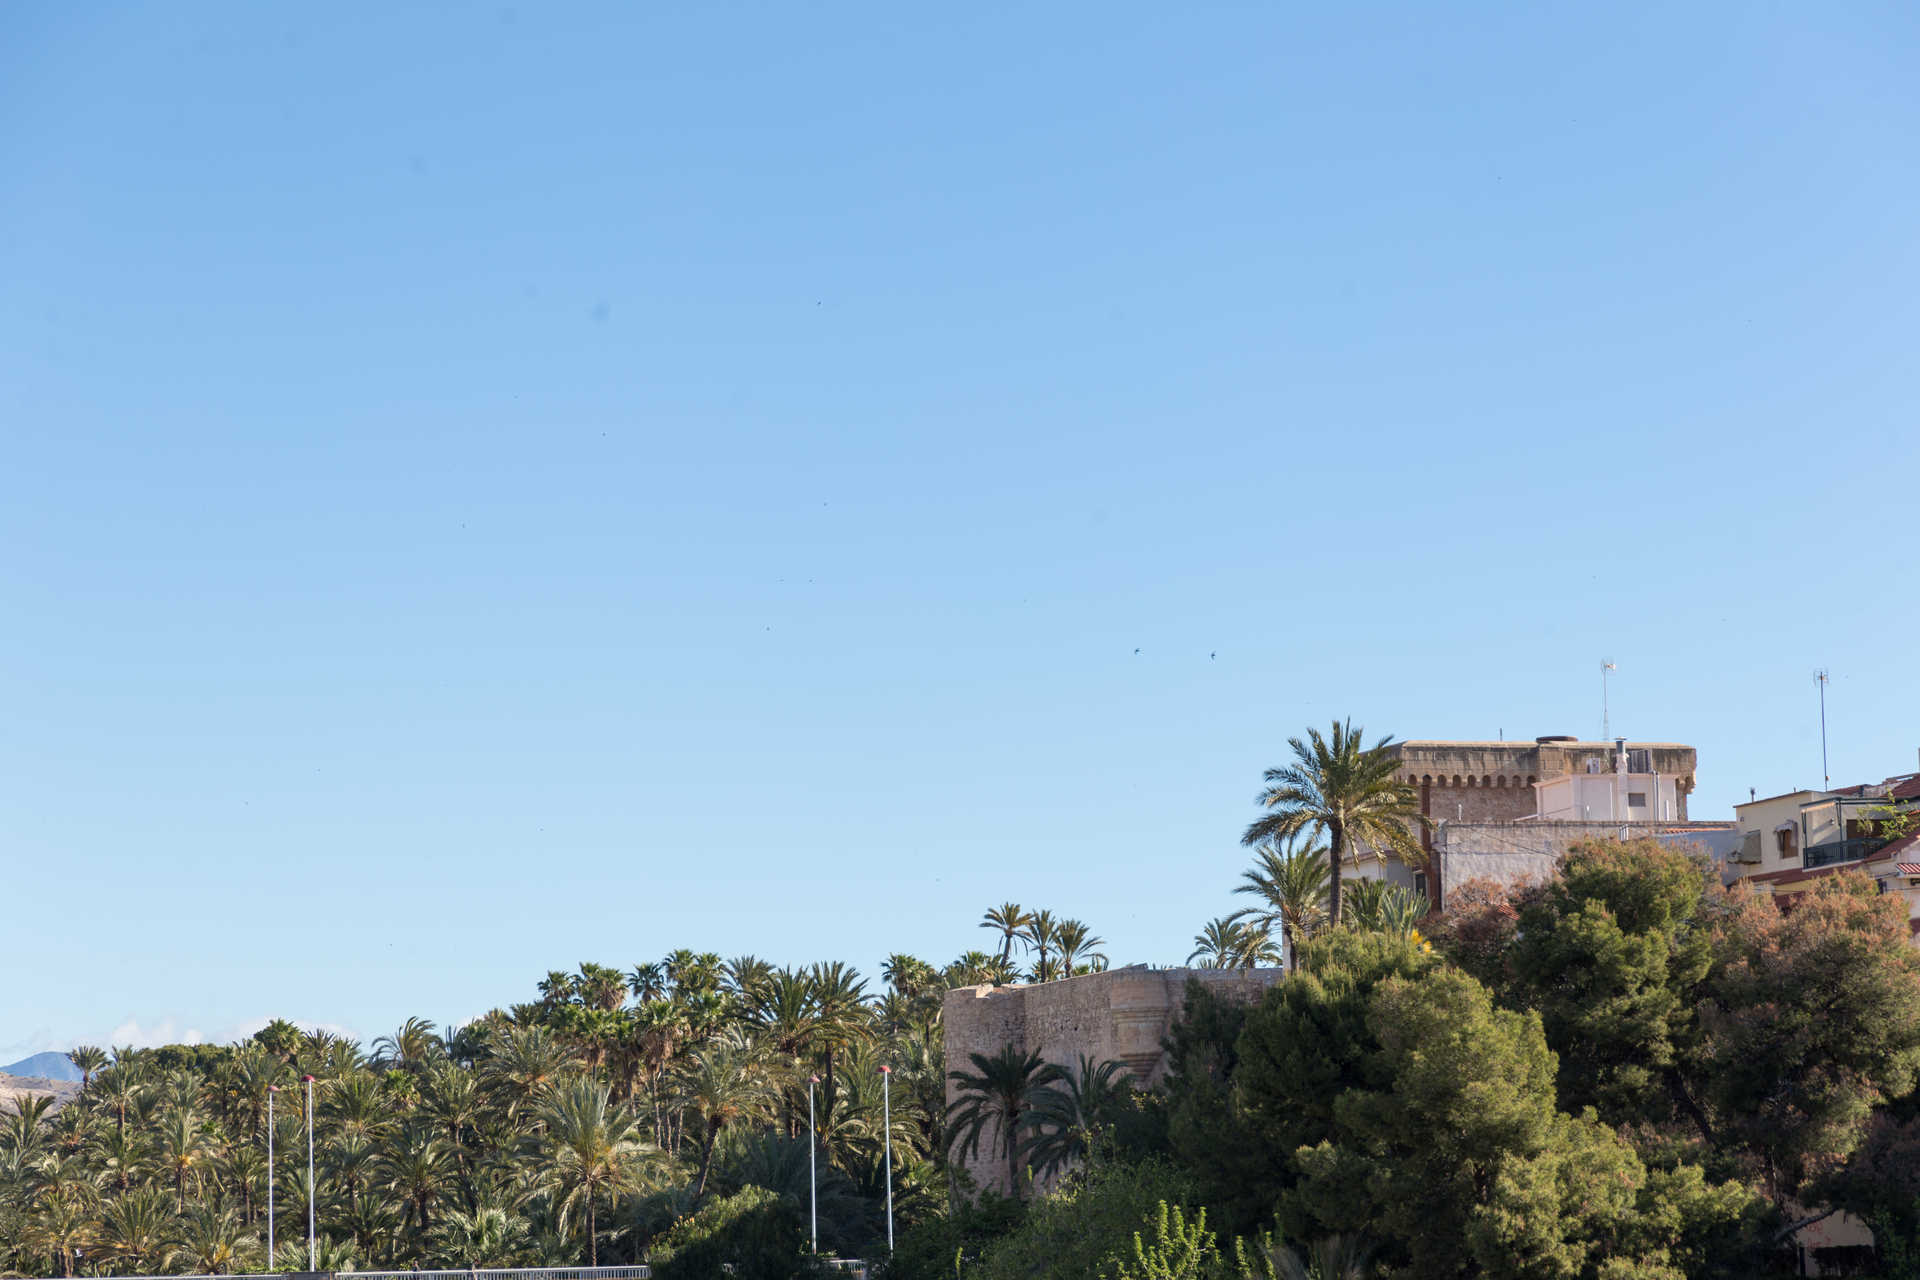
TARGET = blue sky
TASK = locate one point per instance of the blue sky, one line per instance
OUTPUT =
(486, 490)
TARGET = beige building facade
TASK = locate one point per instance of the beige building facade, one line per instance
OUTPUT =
(1558, 779)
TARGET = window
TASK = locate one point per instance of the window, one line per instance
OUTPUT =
(1636, 799)
(1784, 840)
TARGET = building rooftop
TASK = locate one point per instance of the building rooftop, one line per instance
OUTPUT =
(1568, 743)
(1784, 795)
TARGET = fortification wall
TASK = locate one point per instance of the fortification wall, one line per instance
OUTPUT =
(1118, 1016)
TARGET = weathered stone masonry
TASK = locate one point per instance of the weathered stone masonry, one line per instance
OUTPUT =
(1121, 1015)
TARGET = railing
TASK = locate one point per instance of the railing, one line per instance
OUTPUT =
(509, 1273)
(458, 1273)
(1825, 855)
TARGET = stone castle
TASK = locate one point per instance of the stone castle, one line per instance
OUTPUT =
(1121, 1015)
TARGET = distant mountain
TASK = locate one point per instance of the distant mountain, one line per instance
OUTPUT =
(47, 1066)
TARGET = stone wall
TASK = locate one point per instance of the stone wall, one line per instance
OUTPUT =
(1515, 853)
(1121, 1015)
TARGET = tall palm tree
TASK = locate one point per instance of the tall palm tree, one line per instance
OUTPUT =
(997, 1094)
(1227, 943)
(121, 1157)
(87, 1059)
(121, 1090)
(1349, 792)
(1041, 933)
(1290, 880)
(242, 1170)
(526, 1062)
(1009, 918)
(841, 1016)
(725, 1081)
(1075, 941)
(408, 1047)
(185, 1144)
(417, 1169)
(594, 1150)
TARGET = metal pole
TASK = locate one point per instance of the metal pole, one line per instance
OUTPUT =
(886, 1112)
(271, 1090)
(1606, 722)
(813, 1182)
(313, 1263)
(1826, 779)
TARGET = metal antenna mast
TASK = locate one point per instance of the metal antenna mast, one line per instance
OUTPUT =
(1826, 779)
(1606, 722)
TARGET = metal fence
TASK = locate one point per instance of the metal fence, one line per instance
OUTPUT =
(460, 1273)
(508, 1273)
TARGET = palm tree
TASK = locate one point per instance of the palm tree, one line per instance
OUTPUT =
(998, 1093)
(123, 1090)
(1350, 792)
(970, 970)
(1068, 1113)
(1380, 906)
(242, 1172)
(137, 1231)
(409, 1047)
(594, 1149)
(648, 982)
(1227, 943)
(213, 1241)
(185, 1145)
(1291, 883)
(525, 1063)
(841, 1016)
(22, 1132)
(61, 1226)
(121, 1157)
(1334, 1257)
(416, 1169)
(1075, 940)
(87, 1059)
(1042, 934)
(725, 1081)
(1009, 918)
(491, 1235)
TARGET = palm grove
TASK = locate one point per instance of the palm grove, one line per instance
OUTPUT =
(1626, 1071)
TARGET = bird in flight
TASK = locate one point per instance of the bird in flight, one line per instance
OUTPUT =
(1136, 651)
(1212, 656)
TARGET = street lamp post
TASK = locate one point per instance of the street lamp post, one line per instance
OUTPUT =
(886, 1121)
(313, 1261)
(271, 1090)
(813, 1181)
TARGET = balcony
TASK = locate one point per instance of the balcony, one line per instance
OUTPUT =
(1826, 855)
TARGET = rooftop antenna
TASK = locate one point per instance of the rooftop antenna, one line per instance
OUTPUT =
(1826, 779)
(1606, 723)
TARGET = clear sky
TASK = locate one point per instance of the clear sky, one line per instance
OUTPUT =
(490, 488)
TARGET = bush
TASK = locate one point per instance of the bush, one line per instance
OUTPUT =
(927, 1249)
(755, 1230)
(1087, 1227)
